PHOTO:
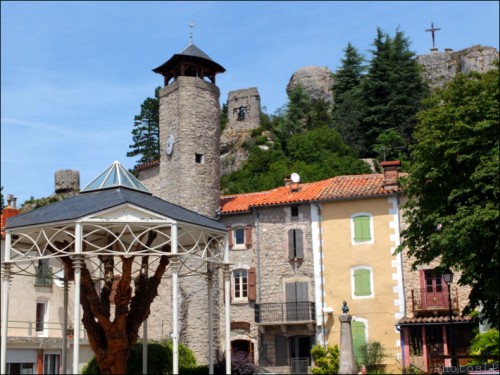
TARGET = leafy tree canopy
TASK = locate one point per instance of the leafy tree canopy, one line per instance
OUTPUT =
(453, 187)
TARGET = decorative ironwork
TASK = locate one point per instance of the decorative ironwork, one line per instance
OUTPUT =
(284, 312)
(432, 300)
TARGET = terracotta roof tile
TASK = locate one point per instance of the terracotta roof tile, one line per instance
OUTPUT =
(434, 320)
(340, 187)
(149, 164)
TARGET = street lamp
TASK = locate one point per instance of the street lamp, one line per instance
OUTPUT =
(448, 279)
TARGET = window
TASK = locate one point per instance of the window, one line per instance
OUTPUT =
(362, 228)
(199, 158)
(41, 314)
(43, 273)
(294, 211)
(51, 364)
(240, 284)
(240, 237)
(295, 244)
(19, 368)
(362, 282)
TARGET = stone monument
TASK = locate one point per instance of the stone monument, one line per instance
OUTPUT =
(347, 361)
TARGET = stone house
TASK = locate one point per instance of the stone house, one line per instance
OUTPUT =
(273, 296)
(425, 328)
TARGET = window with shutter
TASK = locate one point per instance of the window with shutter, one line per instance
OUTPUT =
(248, 236)
(358, 336)
(362, 282)
(252, 285)
(362, 232)
(240, 291)
(295, 244)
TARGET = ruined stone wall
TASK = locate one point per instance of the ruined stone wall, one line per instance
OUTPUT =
(439, 68)
(243, 116)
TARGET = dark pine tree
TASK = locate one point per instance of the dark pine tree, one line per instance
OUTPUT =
(348, 109)
(146, 131)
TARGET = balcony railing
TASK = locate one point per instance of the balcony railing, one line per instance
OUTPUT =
(284, 312)
(424, 300)
(43, 276)
(27, 328)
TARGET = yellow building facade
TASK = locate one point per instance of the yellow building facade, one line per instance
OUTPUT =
(359, 235)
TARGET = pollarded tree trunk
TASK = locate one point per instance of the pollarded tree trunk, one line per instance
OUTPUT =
(111, 340)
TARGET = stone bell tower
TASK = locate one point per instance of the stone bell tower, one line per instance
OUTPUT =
(190, 132)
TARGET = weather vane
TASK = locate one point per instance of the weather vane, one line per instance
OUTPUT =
(433, 30)
(191, 25)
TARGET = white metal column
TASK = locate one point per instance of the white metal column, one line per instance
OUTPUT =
(77, 263)
(227, 286)
(210, 322)
(64, 356)
(5, 302)
(175, 305)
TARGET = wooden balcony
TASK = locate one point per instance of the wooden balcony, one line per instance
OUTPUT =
(426, 302)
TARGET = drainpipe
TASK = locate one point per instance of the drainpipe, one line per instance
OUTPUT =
(257, 234)
(323, 323)
(402, 337)
(401, 254)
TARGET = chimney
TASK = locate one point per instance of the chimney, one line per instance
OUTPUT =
(9, 211)
(391, 173)
(293, 181)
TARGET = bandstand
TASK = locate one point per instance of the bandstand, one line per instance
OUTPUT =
(116, 222)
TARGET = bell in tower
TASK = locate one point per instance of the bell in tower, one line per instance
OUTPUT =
(190, 132)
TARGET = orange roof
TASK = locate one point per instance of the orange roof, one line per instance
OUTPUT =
(340, 187)
(354, 186)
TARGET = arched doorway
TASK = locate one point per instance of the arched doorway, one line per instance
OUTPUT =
(243, 346)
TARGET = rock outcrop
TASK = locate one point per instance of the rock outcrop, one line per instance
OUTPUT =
(316, 81)
(441, 67)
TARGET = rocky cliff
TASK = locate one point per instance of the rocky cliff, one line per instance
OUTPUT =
(439, 68)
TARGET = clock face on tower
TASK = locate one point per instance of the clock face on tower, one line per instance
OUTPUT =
(170, 145)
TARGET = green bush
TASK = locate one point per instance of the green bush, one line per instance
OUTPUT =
(371, 355)
(159, 360)
(326, 361)
(486, 344)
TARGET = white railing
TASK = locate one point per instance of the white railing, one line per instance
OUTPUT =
(28, 328)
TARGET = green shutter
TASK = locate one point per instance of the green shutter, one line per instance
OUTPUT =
(362, 285)
(362, 229)
(358, 336)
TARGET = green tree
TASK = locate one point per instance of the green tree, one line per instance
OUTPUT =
(453, 187)
(485, 344)
(350, 73)
(347, 111)
(326, 361)
(391, 91)
(146, 131)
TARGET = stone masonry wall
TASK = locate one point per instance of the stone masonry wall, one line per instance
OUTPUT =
(189, 111)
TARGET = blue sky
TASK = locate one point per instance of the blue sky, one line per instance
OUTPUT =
(73, 74)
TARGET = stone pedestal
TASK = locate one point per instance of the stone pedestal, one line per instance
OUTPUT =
(347, 360)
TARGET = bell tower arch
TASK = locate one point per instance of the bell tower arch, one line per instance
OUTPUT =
(190, 132)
